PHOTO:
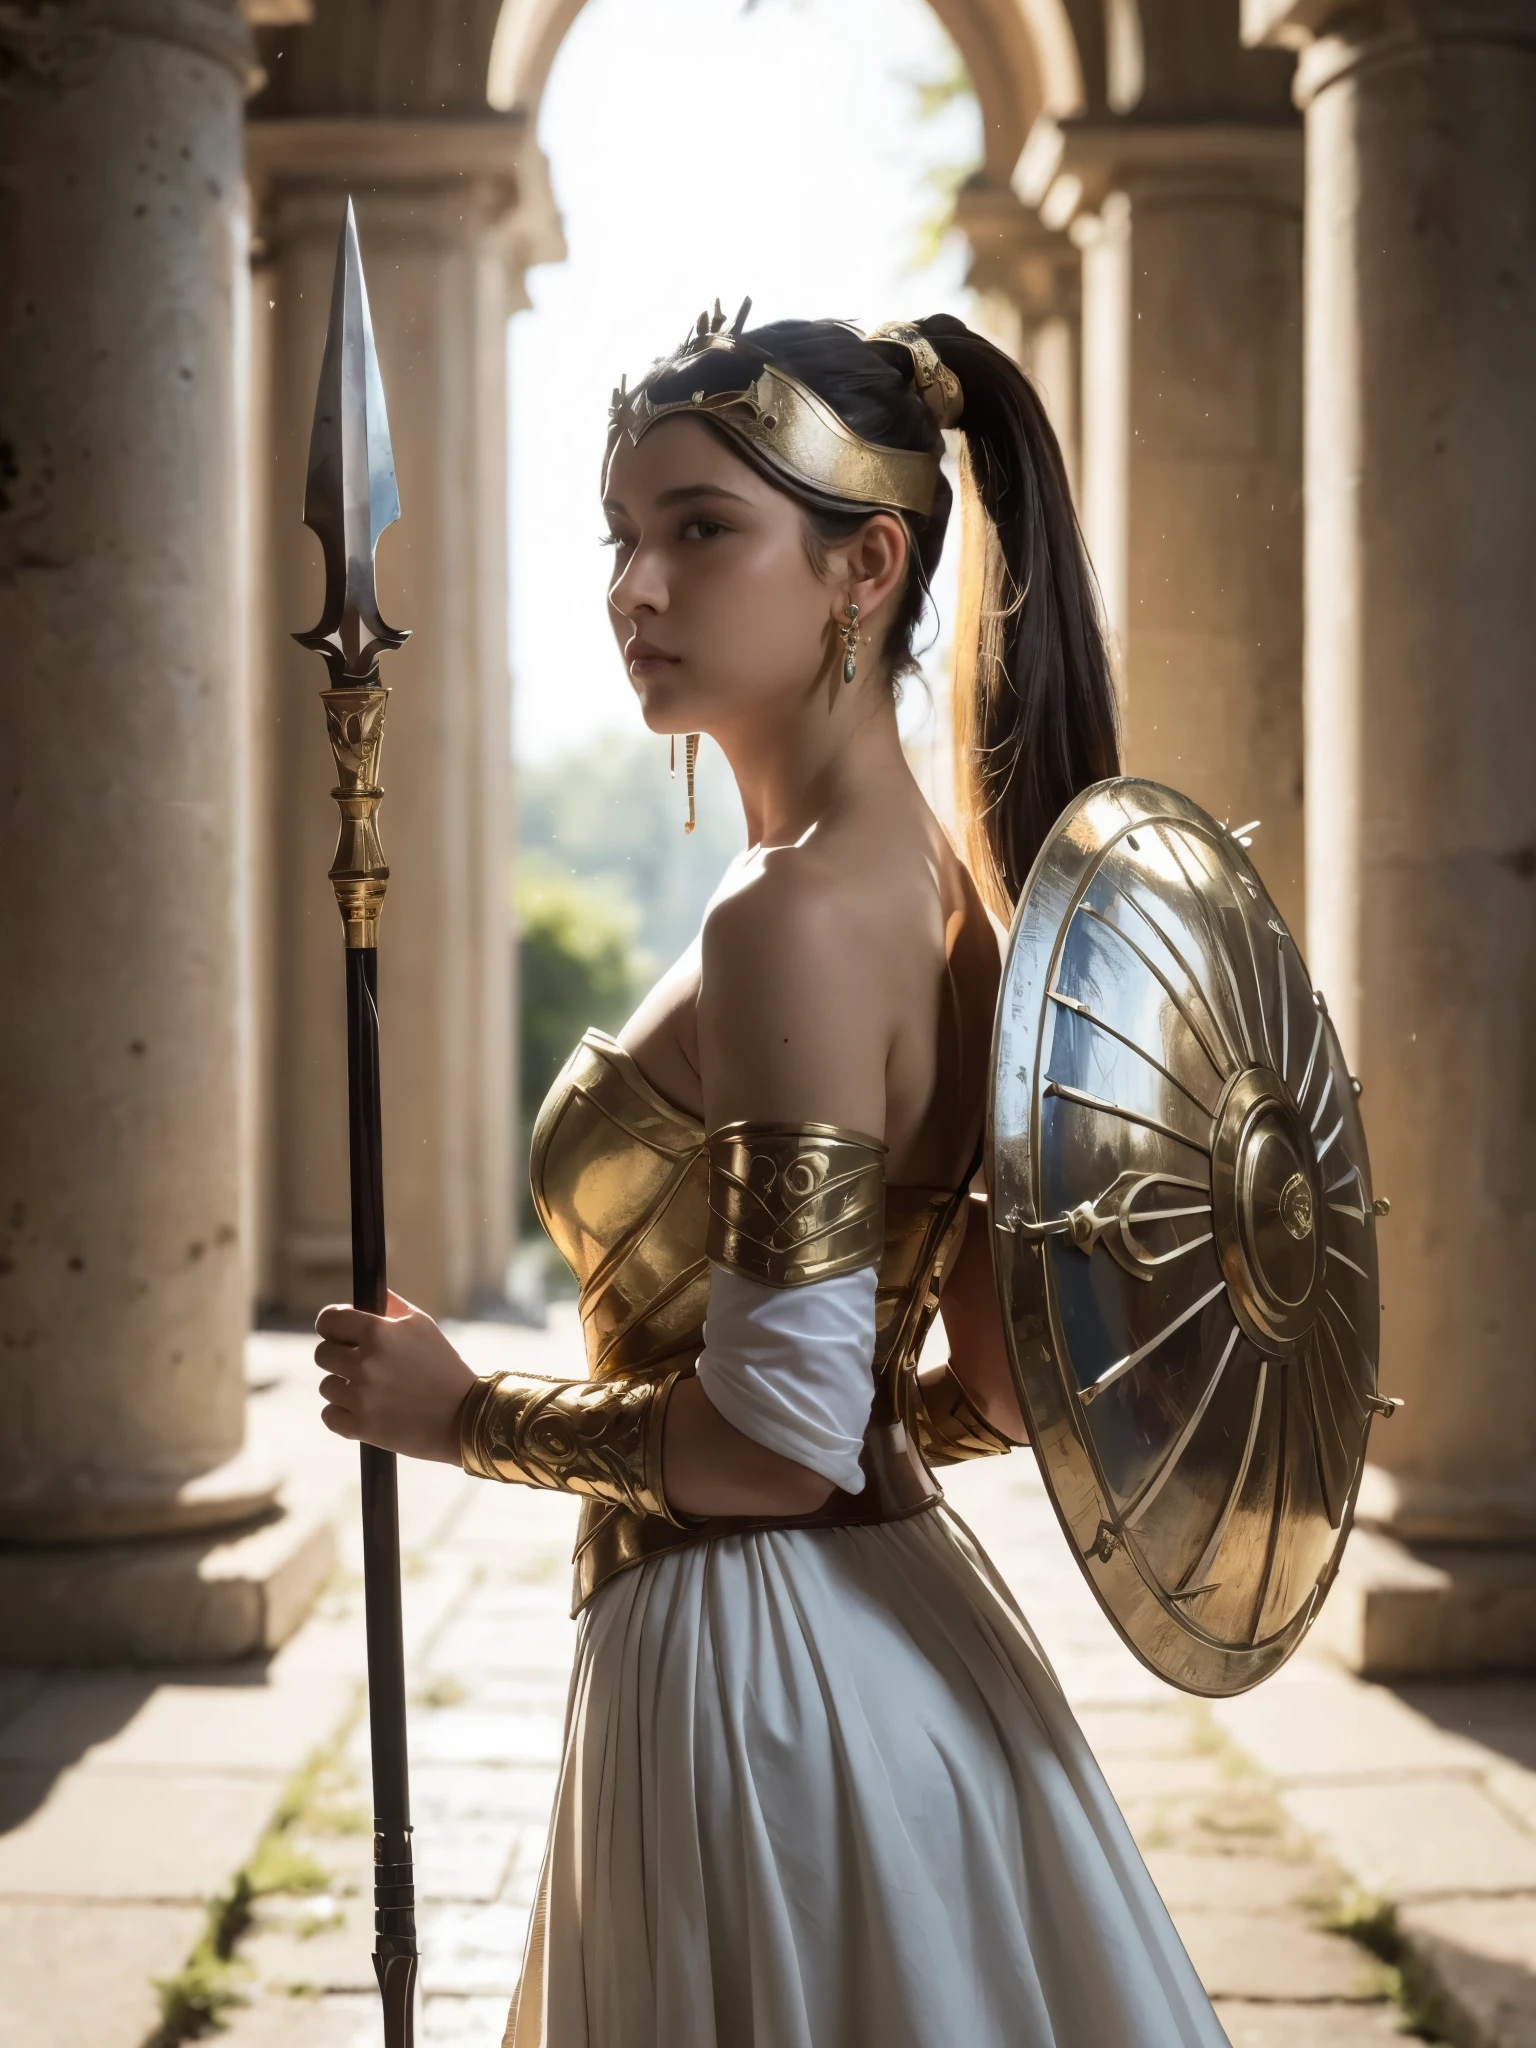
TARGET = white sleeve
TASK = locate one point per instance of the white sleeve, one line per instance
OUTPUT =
(793, 1367)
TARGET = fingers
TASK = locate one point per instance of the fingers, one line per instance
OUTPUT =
(399, 1306)
(340, 1423)
(342, 1359)
(344, 1324)
(335, 1390)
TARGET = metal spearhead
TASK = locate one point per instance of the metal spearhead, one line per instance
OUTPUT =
(350, 495)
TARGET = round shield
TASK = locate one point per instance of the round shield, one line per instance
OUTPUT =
(1184, 1236)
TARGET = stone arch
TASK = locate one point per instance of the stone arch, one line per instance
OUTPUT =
(1025, 57)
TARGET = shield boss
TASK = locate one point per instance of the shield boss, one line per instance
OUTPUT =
(1184, 1236)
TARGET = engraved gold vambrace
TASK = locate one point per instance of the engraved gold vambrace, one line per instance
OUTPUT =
(600, 1438)
(949, 1428)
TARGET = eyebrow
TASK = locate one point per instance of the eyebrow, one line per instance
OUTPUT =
(680, 494)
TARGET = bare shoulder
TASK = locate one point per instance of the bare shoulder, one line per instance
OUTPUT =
(794, 1021)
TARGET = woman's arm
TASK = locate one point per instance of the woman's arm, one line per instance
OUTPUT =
(789, 1034)
(973, 1323)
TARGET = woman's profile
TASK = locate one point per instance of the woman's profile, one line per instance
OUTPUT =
(820, 1788)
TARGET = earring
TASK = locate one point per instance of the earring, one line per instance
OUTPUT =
(690, 759)
(850, 642)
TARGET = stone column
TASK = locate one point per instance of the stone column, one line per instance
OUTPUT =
(450, 213)
(1190, 232)
(122, 1276)
(1028, 276)
(1421, 764)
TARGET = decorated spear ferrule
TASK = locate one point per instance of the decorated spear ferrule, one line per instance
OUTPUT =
(350, 497)
(354, 718)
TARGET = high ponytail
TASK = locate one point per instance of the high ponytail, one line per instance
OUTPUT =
(1034, 700)
(1034, 703)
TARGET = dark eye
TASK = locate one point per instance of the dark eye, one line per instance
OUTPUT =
(702, 529)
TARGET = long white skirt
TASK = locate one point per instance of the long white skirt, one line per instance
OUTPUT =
(821, 1790)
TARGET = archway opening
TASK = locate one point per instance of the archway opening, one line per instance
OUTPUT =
(697, 147)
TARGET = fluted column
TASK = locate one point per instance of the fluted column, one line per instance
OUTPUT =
(1190, 233)
(122, 1268)
(1028, 276)
(450, 212)
(1421, 723)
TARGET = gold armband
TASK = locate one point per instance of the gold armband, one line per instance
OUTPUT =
(792, 1203)
(601, 1438)
(949, 1428)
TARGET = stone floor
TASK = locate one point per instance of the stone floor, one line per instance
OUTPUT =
(129, 1801)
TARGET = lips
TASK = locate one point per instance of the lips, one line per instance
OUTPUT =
(643, 658)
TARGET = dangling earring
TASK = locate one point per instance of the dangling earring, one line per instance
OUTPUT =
(690, 759)
(850, 642)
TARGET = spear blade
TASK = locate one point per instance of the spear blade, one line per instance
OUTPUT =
(350, 493)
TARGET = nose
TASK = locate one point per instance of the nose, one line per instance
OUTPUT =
(640, 585)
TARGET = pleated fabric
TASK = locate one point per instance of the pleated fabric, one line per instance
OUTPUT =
(821, 1789)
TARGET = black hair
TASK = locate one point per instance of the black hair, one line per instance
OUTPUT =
(1034, 706)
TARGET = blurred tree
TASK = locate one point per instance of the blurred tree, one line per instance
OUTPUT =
(610, 814)
(579, 967)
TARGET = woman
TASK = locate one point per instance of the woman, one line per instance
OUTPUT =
(820, 1789)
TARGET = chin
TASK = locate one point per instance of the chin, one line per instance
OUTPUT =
(664, 710)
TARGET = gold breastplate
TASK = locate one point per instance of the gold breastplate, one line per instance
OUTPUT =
(620, 1182)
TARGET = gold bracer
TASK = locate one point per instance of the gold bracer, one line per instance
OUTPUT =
(599, 1438)
(793, 1203)
(949, 1428)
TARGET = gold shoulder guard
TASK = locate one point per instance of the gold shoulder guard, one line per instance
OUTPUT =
(793, 1203)
(600, 1438)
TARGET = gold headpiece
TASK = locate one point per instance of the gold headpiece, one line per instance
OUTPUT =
(783, 420)
(937, 385)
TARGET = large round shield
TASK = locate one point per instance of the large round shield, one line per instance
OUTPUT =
(1184, 1236)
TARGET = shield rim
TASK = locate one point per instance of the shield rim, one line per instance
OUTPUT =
(1173, 1647)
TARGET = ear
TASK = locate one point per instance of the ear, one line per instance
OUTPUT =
(872, 564)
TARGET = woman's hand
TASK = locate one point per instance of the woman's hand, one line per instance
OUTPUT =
(392, 1380)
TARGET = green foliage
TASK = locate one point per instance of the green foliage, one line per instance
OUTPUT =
(196, 2000)
(578, 965)
(610, 814)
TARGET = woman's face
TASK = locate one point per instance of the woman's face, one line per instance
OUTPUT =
(719, 612)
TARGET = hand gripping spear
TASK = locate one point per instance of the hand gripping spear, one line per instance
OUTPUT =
(349, 499)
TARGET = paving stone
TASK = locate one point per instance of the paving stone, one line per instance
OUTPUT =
(1243, 1884)
(1138, 1730)
(463, 2022)
(1514, 1788)
(314, 1945)
(1309, 2026)
(131, 1835)
(1420, 1840)
(1482, 1953)
(77, 1973)
(1273, 1955)
(472, 1951)
(462, 1735)
(17, 1688)
(238, 1721)
(464, 1859)
(1305, 1725)
(1500, 1713)
(449, 1793)
(304, 2022)
(1145, 1778)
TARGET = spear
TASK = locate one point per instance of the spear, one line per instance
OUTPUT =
(350, 497)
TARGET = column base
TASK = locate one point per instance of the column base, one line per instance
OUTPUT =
(170, 1600)
(1400, 1610)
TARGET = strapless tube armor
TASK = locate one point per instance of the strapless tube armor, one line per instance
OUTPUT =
(599, 1438)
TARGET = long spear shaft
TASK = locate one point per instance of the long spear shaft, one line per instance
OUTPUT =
(350, 497)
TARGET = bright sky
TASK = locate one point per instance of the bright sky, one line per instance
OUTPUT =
(702, 148)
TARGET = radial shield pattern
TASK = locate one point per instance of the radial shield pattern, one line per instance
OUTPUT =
(1184, 1234)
